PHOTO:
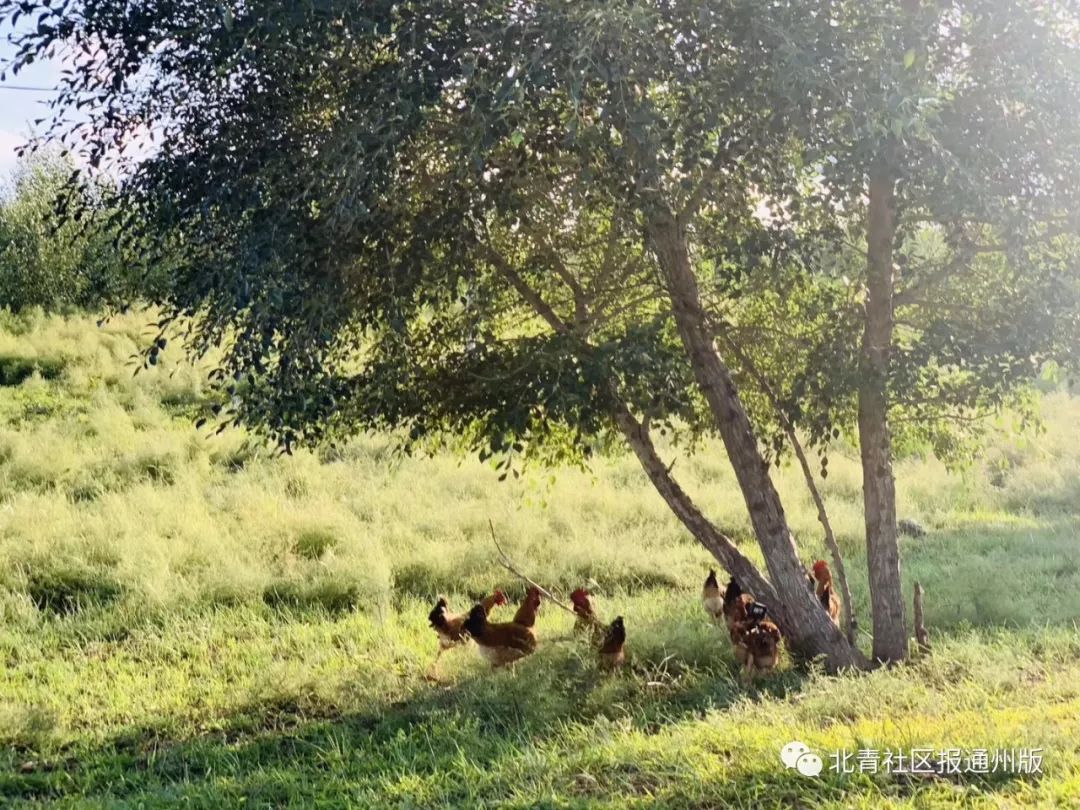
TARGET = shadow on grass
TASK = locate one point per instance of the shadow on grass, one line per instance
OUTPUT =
(402, 741)
(288, 749)
(529, 739)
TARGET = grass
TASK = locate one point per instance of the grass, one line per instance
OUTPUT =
(186, 619)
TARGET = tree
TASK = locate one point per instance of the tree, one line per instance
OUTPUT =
(46, 261)
(522, 224)
(947, 129)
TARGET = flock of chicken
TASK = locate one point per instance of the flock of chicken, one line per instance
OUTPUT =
(755, 639)
(502, 643)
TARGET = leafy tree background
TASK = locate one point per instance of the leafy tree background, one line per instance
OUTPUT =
(55, 263)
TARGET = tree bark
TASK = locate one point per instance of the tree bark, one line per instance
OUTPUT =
(922, 635)
(808, 629)
(849, 623)
(721, 546)
(879, 487)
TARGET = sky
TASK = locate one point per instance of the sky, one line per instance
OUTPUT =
(19, 108)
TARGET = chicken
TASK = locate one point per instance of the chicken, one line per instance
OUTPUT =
(756, 641)
(450, 627)
(711, 597)
(499, 643)
(824, 590)
(735, 603)
(587, 620)
(763, 642)
(526, 613)
(613, 649)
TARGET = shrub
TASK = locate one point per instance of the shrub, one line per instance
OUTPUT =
(14, 370)
(312, 544)
(44, 263)
(330, 594)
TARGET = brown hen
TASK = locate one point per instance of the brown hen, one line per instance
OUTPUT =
(499, 643)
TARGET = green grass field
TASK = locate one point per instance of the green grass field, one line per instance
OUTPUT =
(186, 619)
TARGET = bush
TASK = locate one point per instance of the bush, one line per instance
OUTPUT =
(57, 266)
(312, 544)
(331, 595)
(13, 370)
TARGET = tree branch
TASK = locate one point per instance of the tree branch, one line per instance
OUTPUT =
(531, 296)
(910, 294)
(850, 622)
(508, 564)
(922, 636)
(581, 303)
(697, 196)
(607, 263)
(723, 548)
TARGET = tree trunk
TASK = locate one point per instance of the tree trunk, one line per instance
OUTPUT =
(807, 627)
(922, 635)
(823, 514)
(637, 436)
(721, 546)
(808, 630)
(879, 488)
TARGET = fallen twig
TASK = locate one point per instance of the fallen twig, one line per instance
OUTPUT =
(508, 564)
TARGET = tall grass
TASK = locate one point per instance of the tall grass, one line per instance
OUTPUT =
(100, 473)
(158, 585)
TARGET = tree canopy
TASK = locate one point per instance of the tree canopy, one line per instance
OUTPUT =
(534, 225)
(340, 174)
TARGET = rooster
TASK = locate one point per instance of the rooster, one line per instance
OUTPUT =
(612, 650)
(824, 590)
(499, 643)
(587, 620)
(526, 613)
(756, 641)
(450, 627)
(735, 603)
(712, 599)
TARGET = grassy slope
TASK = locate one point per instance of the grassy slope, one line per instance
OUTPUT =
(189, 618)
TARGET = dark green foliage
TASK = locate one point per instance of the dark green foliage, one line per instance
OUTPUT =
(314, 543)
(13, 370)
(331, 595)
(368, 201)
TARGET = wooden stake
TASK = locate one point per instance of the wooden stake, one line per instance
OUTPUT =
(921, 634)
